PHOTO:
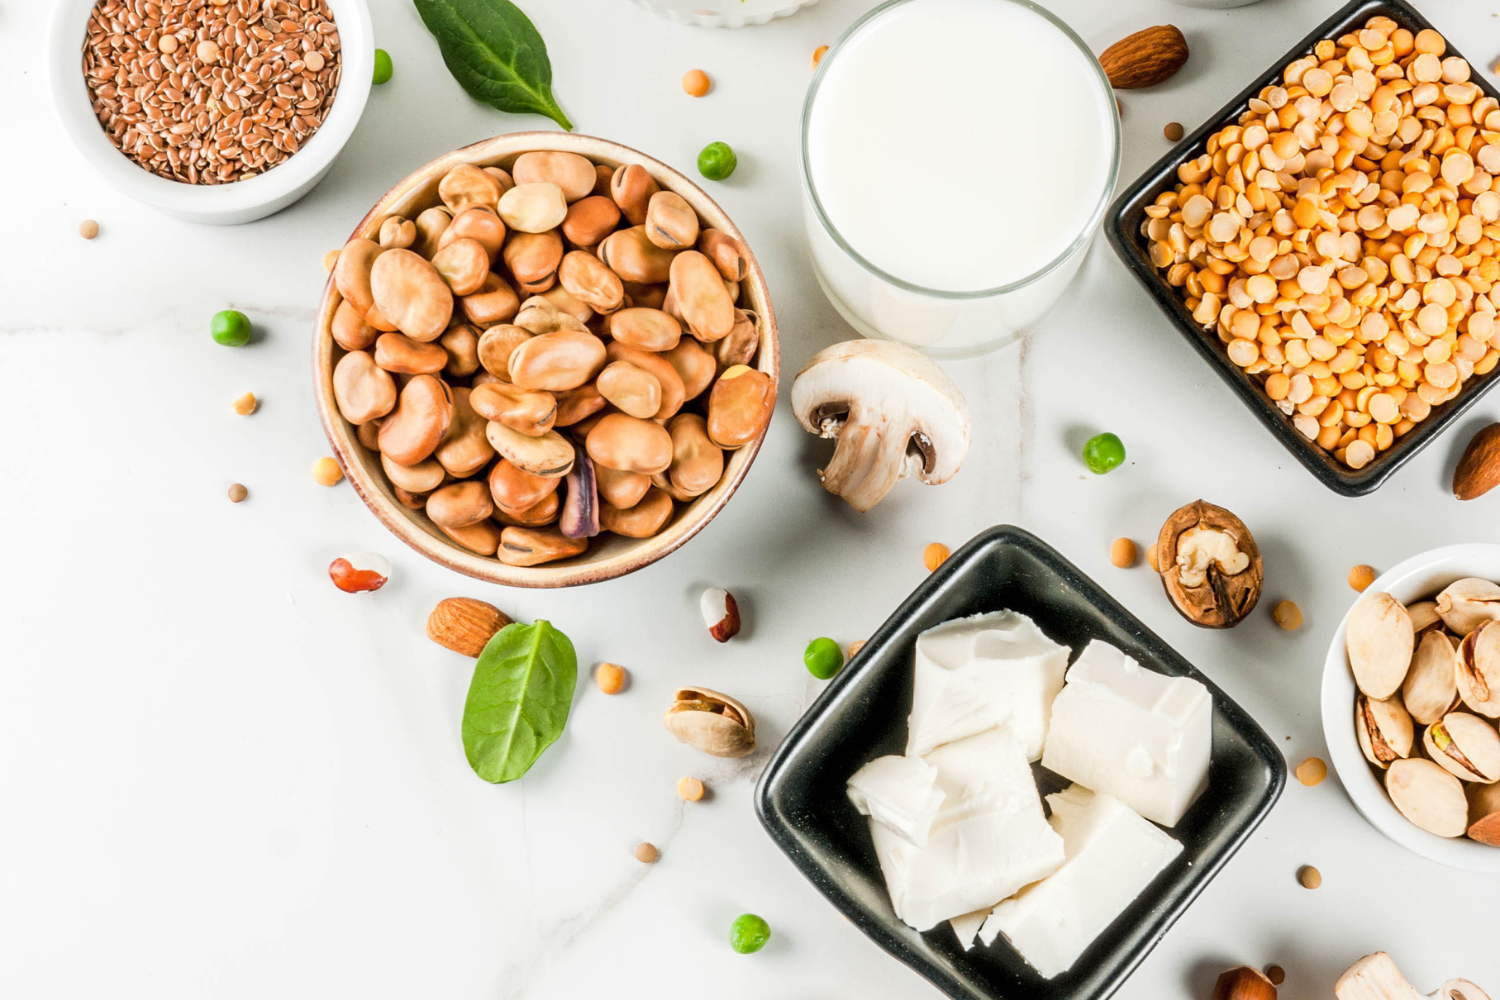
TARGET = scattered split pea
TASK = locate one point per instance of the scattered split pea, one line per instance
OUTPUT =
(88, 228)
(646, 853)
(1123, 552)
(237, 493)
(1287, 615)
(326, 472)
(1310, 877)
(855, 647)
(695, 83)
(934, 556)
(1312, 771)
(245, 404)
(822, 50)
(1361, 576)
(610, 677)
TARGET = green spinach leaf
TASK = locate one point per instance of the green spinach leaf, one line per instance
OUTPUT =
(495, 53)
(518, 700)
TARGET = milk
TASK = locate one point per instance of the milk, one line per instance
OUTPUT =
(965, 149)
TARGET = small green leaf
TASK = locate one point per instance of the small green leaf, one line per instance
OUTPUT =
(495, 53)
(518, 700)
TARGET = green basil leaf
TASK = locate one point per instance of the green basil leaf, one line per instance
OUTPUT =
(495, 53)
(518, 700)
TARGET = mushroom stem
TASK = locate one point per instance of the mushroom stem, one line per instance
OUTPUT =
(1376, 977)
(867, 460)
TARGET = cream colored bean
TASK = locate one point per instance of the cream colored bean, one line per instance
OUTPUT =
(351, 275)
(631, 187)
(647, 329)
(534, 208)
(590, 282)
(739, 347)
(699, 291)
(467, 185)
(697, 463)
(408, 499)
(476, 223)
(727, 253)
(643, 520)
(671, 222)
(410, 293)
(545, 512)
(465, 449)
(621, 489)
(482, 538)
(533, 257)
(630, 444)
(376, 319)
(420, 478)
(400, 355)
(694, 365)
(535, 546)
(575, 405)
(459, 505)
(463, 265)
(349, 329)
(515, 490)
(531, 413)
(562, 359)
(673, 392)
(549, 454)
(495, 302)
(646, 296)
(739, 407)
(362, 390)
(632, 256)
(431, 224)
(632, 390)
(502, 176)
(573, 174)
(397, 233)
(539, 315)
(369, 434)
(461, 342)
(497, 344)
(590, 220)
(563, 301)
(424, 409)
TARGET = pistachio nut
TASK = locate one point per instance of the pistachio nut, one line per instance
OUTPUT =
(548, 455)
(1384, 730)
(671, 222)
(534, 546)
(1484, 813)
(1379, 640)
(1467, 604)
(1428, 796)
(1477, 670)
(712, 722)
(1210, 566)
(1465, 746)
(1424, 617)
(1431, 690)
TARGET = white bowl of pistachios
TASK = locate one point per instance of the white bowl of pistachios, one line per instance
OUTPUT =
(1411, 699)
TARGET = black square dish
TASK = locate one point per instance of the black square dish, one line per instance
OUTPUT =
(862, 715)
(1123, 226)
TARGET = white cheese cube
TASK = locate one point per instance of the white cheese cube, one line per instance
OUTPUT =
(1133, 733)
(900, 792)
(966, 927)
(989, 839)
(1112, 855)
(978, 673)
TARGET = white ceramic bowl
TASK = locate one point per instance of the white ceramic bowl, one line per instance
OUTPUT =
(724, 13)
(1421, 576)
(217, 204)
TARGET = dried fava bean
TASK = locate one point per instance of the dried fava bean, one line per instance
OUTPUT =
(409, 292)
(360, 572)
(544, 512)
(351, 275)
(1287, 615)
(610, 677)
(634, 391)
(502, 176)
(694, 365)
(631, 187)
(397, 233)
(534, 546)
(530, 412)
(673, 392)
(621, 489)
(534, 208)
(463, 265)
(349, 329)
(459, 505)
(540, 315)
(549, 455)
(497, 344)
(641, 520)
(467, 185)
(695, 83)
(237, 493)
(590, 220)
(326, 472)
(671, 222)
(465, 449)
(479, 223)
(461, 344)
(652, 296)
(482, 537)
(533, 259)
(631, 254)
(697, 463)
(424, 409)
(495, 302)
(431, 224)
(739, 407)
(362, 389)
(1312, 771)
(515, 490)
(727, 253)
(562, 359)
(577, 405)
(1360, 577)
(398, 353)
(563, 301)
(934, 555)
(579, 517)
(740, 346)
(573, 174)
(1122, 553)
(700, 295)
(630, 444)
(421, 478)
(647, 329)
(246, 404)
(590, 282)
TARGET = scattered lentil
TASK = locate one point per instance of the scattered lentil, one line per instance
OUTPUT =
(822, 50)
(1123, 553)
(610, 677)
(88, 229)
(1361, 576)
(1173, 131)
(690, 789)
(1312, 771)
(646, 853)
(238, 101)
(855, 647)
(1287, 615)
(1276, 974)
(326, 472)
(245, 405)
(935, 555)
(237, 493)
(1309, 876)
(695, 83)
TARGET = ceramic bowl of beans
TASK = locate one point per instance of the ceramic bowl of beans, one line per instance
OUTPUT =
(545, 359)
(218, 113)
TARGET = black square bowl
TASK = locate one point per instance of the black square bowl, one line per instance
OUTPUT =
(1123, 227)
(862, 715)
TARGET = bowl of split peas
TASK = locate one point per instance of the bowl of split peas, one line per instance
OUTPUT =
(545, 359)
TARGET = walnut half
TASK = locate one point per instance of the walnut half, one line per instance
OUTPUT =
(1210, 565)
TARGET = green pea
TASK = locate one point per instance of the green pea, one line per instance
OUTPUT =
(823, 657)
(230, 328)
(1103, 452)
(748, 934)
(383, 68)
(717, 161)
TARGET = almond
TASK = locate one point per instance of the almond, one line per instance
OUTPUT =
(1145, 58)
(1478, 471)
(465, 625)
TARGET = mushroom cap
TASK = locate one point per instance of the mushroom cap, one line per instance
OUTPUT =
(879, 380)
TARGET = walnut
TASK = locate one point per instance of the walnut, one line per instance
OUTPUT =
(1210, 565)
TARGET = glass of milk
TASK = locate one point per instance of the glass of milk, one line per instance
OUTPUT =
(957, 156)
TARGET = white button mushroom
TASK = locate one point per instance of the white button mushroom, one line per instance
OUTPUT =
(893, 412)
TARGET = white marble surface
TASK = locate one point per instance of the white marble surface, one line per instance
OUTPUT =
(219, 777)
